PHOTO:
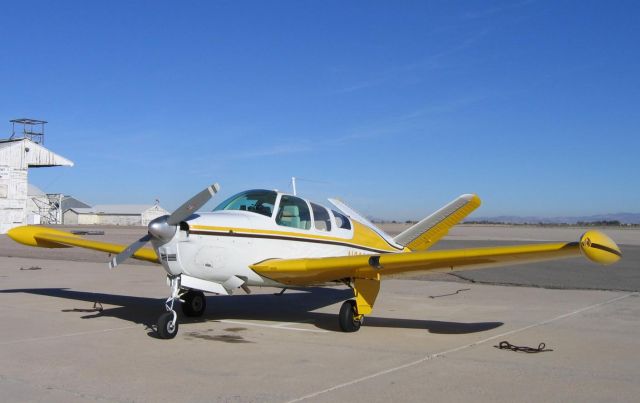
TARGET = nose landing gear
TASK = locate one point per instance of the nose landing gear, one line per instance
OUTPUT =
(168, 321)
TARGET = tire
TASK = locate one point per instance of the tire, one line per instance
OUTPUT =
(165, 329)
(194, 304)
(347, 317)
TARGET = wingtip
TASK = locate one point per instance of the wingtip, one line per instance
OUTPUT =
(599, 248)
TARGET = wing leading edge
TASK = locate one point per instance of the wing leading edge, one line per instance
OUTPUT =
(594, 245)
(52, 238)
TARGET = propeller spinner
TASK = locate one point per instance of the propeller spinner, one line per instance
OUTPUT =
(163, 228)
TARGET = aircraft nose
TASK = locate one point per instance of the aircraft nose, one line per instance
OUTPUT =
(159, 229)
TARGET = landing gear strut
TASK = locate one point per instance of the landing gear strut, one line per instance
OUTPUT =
(168, 321)
(365, 291)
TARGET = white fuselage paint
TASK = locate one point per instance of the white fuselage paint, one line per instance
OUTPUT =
(217, 249)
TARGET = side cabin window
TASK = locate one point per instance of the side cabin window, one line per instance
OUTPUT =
(341, 220)
(321, 218)
(256, 201)
(294, 213)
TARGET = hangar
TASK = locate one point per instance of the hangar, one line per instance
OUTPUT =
(114, 214)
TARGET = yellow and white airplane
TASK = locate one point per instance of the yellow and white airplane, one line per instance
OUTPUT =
(269, 238)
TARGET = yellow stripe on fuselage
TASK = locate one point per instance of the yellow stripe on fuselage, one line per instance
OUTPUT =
(363, 236)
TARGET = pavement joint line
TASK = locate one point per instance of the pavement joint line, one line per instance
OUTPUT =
(456, 349)
(60, 336)
(287, 324)
(281, 326)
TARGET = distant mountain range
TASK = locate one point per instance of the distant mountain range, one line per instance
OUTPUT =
(623, 218)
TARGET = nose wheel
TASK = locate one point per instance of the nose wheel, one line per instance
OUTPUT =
(168, 321)
(167, 325)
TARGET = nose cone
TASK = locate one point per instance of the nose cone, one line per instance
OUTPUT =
(599, 248)
(159, 229)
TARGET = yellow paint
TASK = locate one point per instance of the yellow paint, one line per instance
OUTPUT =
(429, 238)
(599, 248)
(51, 238)
(26, 235)
(362, 235)
(320, 270)
(366, 291)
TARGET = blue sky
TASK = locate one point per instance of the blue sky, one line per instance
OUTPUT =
(395, 107)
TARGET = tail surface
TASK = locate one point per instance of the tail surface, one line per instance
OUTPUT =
(428, 231)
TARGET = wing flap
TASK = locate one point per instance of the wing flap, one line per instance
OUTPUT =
(51, 238)
(320, 270)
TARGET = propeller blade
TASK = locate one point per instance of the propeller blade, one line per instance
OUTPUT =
(129, 251)
(192, 205)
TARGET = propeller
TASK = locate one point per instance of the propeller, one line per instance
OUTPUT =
(163, 228)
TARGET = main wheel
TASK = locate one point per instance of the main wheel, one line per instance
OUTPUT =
(349, 319)
(166, 329)
(194, 303)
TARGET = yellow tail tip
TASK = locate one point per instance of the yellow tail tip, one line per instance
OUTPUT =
(599, 248)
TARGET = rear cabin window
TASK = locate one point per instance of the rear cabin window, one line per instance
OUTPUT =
(255, 201)
(341, 220)
(321, 218)
(293, 212)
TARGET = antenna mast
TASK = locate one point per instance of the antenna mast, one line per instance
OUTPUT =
(293, 185)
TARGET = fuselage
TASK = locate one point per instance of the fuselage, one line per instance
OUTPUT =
(258, 225)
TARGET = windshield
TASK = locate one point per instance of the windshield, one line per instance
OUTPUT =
(256, 201)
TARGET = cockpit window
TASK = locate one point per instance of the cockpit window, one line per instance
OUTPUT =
(293, 212)
(256, 201)
(341, 220)
(321, 218)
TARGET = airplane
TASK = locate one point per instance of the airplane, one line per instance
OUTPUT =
(268, 238)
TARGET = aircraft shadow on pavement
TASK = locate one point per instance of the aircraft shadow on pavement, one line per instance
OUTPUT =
(292, 306)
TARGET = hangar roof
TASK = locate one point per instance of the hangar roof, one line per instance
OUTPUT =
(24, 153)
(115, 209)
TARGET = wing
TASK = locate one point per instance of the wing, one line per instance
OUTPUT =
(51, 238)
(594, 245)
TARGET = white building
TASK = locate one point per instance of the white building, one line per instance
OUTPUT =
(16, 157)
(114, 214)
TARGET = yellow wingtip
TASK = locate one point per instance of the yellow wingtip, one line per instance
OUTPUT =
(599, 248)
(26, 235)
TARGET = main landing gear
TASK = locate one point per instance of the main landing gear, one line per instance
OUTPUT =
(348, 318)
(365, 291)
(193, 304)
